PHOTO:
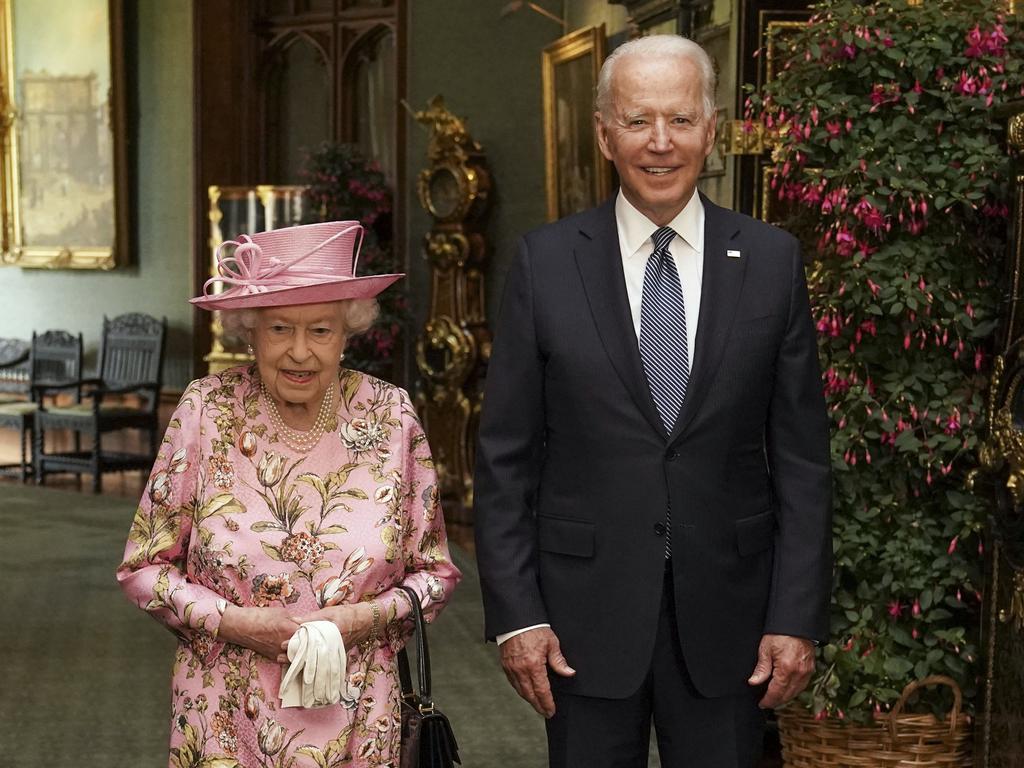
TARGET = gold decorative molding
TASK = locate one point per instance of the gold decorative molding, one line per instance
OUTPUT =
(1014, 613)
(744, 137)
(30, 178)
(453, 347)
(1015, 131)
(1002, 449)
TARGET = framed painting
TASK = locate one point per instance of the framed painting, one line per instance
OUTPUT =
(714, 164)
(577, 174)
(63, 164)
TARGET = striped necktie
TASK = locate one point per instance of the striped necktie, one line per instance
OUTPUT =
(663, 345)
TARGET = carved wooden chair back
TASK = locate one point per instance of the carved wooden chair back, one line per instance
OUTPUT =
(132, 352)
(15, 371)
(56, 358)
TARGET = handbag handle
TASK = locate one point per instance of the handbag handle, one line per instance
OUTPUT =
(422, 655)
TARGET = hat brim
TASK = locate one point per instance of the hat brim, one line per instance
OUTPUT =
(338, 290)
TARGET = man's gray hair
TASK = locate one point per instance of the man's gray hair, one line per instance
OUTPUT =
(658, 46)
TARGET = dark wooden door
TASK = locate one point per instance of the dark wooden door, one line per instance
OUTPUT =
(756, 18)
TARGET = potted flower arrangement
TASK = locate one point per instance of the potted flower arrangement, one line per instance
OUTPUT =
(888, 160)
(345, 184)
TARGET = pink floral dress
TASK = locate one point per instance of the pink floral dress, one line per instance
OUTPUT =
(232, 514)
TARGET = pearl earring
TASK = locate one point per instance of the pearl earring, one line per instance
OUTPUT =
(251, 351)
(342, 358)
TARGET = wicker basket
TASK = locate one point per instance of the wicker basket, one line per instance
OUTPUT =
(896, 740)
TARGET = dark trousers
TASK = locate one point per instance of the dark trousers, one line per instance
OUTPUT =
(692, 731)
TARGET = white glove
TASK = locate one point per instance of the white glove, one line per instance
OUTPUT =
(318, 667)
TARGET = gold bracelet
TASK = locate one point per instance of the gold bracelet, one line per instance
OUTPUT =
(375, 628)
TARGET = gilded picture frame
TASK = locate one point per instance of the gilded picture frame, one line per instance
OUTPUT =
(577, 174)
(63, 164)
(714, 163)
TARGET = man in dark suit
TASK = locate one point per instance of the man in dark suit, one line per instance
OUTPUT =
(652, 487)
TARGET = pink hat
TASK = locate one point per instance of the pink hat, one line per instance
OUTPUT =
(310, 264)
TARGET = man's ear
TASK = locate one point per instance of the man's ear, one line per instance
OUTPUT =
(709, 138)
(602, 136)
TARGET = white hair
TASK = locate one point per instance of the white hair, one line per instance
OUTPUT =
(658, 46)
(357, 315)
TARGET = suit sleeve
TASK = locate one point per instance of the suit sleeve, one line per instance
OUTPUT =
(508, 460)
(797, 443)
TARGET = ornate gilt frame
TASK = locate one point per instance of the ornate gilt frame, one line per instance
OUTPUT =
(583, 42)
(15, 250)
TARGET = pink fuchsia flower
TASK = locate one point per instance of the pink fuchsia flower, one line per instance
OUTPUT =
(953, 423)
(915, 609)
(952, 545)
(870, 216)
(834, 128)
(896, 609)
(986, 43)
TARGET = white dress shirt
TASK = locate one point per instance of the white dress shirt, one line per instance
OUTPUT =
(635, 246)
(687, 249)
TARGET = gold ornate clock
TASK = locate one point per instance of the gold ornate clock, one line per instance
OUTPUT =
(453, 348)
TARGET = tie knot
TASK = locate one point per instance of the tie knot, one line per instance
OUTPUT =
(661, 238)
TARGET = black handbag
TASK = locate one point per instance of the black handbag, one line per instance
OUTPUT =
(427, 738)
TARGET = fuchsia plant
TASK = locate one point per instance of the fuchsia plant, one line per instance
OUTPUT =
(887, 156)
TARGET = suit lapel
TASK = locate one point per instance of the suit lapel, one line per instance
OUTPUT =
(721, 284)
(600, 266)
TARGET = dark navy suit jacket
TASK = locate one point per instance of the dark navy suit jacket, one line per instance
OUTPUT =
(574, 470)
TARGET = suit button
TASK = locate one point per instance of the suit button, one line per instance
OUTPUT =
(672, 455)
(659, 529)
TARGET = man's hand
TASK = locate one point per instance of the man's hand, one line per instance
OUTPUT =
(525, 659)
(789, 662)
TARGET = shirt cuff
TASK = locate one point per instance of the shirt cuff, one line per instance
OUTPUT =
(508, 635)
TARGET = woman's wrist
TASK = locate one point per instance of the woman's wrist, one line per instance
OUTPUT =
(375, 623)
(228, 618)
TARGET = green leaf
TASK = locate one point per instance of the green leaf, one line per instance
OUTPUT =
(221, 504)
(897, 667)
(271, 551)
(262, 526)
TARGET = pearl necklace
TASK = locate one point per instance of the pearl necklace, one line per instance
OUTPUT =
(299, 440)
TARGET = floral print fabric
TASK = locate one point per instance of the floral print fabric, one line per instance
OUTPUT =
(231, 513)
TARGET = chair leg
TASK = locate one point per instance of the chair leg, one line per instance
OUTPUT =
(25, 433)
(96, 463)
(38, 440)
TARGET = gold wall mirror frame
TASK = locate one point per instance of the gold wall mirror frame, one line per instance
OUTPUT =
(63, 164)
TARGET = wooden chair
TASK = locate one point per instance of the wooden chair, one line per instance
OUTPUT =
(130, 364)
(14, 370)
(54, 359)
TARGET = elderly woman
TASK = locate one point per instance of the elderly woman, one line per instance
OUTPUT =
(289, 491)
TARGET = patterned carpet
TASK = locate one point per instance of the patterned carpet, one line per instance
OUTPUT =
(84, 676)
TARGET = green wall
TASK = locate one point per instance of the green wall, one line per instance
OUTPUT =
(159, 39)
(488, 68)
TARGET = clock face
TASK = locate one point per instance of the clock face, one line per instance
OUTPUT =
(445, 193)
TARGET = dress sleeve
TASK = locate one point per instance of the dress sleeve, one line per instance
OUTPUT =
(154, 573)
(429, 570)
